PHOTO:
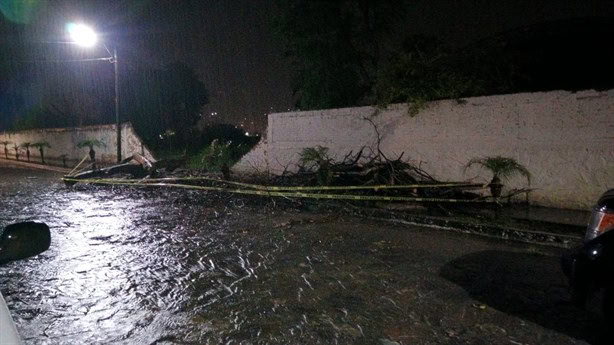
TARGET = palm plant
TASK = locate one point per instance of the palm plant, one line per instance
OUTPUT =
(41, 148)
(16, 148)
(91, 143)
(27, 147)
(63, 157)
(501, 168)
(317, 158)
(6, 150)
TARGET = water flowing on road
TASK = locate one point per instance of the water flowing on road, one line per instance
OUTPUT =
(135, 267)
(162, 266)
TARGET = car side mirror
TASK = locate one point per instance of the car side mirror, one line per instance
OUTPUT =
(22, 240)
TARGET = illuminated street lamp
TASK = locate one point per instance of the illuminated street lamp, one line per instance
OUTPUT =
(82, 35)
(85, 36)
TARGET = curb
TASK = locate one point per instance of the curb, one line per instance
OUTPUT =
(20, 164)
(565, 239)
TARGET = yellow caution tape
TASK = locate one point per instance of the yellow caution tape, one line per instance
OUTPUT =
(274, 194)
(308, 188)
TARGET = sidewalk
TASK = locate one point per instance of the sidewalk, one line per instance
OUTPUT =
(529, 224)
(548, 215)
(11, 163)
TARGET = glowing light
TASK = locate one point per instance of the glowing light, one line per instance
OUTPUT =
(82, 34)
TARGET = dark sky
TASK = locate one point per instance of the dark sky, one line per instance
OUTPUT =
(231, 45)
(460, 22)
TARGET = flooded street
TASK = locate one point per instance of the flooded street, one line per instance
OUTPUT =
(162, 266)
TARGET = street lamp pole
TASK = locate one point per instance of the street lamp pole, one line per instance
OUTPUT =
(117, 120)
(86, 37)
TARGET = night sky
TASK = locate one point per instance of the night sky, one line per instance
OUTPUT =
(230, 43)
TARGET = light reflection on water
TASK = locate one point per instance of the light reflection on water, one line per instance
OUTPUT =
(115, 272)
(131, 269)
(156, 267)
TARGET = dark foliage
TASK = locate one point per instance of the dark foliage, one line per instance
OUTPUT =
(349, 53)
(51, 114)
(155, 101)
(336, 47)
(218, 147)
(164, 102)
(224, 132)
(423, 70)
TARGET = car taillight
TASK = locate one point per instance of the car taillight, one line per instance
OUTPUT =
(601, 221)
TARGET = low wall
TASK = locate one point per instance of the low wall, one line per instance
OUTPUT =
(63, 141)
(565, 139)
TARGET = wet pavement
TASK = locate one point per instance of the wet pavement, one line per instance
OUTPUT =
(161, 266)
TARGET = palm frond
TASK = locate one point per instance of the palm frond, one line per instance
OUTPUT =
(91, 143)
(41, 144)
(502, 167)
(314, 156)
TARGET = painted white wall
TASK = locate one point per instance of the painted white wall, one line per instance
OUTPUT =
(65, 140)
(565, 139)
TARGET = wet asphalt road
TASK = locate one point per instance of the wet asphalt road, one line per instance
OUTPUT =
(133, 266)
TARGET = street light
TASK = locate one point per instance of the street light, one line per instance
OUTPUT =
(85, 36)
(82, 35)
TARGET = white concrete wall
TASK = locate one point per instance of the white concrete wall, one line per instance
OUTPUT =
(65, 140)
(565, 139)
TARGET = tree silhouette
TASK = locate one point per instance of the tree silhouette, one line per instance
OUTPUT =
(6, 151)
(337, 48)
(16, 148)
(41, 145)
(27, 147)
(163, 101)
(91, 143)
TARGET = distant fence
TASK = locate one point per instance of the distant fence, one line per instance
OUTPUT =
(565, 139)
(63, 141)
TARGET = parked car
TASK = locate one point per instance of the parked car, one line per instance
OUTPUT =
(590, 267)
(19, 241)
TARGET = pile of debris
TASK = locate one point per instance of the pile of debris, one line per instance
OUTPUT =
(364, 176)
(395, 177)
(135, 166)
